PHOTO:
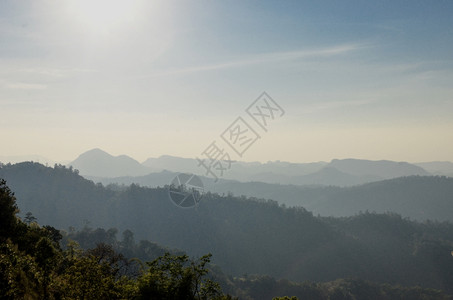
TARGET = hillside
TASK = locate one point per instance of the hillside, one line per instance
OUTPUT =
(383, 169)
(416, 197)
(97, 162)
(339, 172)
(444, 168)
(245, 235)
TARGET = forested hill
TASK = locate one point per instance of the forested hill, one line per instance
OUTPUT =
(245, 235)
(417, 197)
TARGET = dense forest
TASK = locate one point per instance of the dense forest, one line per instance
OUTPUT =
(417, 197)
(43, 263)
(245, 236)
(34, 266)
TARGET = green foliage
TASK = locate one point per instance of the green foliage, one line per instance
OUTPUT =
(33, 266)
(20, 276)
(175, 277)
(8, 210)
(143, 250)
(88, 278)
(245, 235)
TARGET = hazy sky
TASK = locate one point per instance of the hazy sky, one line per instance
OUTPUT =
(362, 79)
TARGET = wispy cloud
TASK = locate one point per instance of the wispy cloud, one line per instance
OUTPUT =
(56, 72)
(23, 85)
(336, 105)
(272, 57)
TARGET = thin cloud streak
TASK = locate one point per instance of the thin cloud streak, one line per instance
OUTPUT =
(56, 72)
(272, 57)
(336, 105)
(23, 85)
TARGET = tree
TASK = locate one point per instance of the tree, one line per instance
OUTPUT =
(29, 218)
(53, 234)
(128, 239)
(46, 257)
(114, 263)
(175, 277)
(19, 274)
(93, 275)
(8, 210)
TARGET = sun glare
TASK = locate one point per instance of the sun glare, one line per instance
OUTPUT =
(101, 16)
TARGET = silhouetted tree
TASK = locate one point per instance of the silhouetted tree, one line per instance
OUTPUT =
(29, 218)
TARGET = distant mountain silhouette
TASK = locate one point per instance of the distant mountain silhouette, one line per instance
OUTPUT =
(344, 172)
(172, 163)
(20, 158)
(271, 172)
(97, 162)
(438, 167)
(157, 179)
(383, 169)
(339, 172)
(332, 176)
(326, 176)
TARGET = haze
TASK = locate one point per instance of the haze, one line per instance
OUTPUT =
(369, 80)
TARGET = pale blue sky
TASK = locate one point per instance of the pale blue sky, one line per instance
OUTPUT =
(363, 79)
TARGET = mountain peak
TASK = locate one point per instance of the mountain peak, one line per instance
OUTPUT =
(382, 168)
(95, 152)
(98, 163)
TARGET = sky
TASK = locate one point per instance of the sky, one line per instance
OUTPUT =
(355, 79)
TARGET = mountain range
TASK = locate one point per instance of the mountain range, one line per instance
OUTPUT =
(416, 197)
(97, 163)
(338, 172)
(258, 236)
(444, 168)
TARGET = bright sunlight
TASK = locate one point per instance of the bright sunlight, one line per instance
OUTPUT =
(101, 16)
